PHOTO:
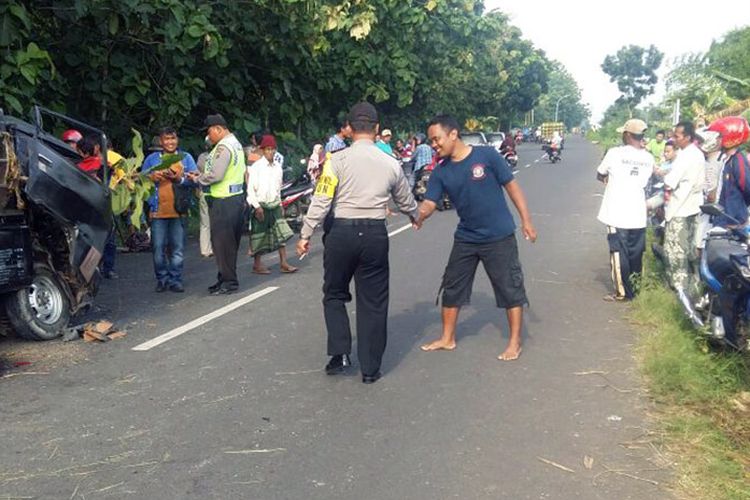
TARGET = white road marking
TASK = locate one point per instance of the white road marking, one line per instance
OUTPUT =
(203, 319)
(536, 161)
(399, 230)
(527, 165)
(222, 311)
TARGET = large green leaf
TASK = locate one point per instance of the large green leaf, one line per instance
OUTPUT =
(120, 199)
(14, 103)
(166, 162)
(19, 11)
(137, 145)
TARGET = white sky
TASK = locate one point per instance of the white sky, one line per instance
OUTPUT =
(581, 34)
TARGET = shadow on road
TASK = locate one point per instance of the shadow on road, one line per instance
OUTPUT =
(422, 323)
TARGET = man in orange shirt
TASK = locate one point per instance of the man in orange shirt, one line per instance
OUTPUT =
(167, 228)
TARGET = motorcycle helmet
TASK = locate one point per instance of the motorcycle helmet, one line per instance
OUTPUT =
(710, 140)
(734, 130)
(72, 135)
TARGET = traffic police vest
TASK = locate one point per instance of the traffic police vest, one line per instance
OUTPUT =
(234, 177)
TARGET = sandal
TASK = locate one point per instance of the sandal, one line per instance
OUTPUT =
(614, 298)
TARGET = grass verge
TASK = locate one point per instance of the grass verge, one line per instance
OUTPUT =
(702, 397)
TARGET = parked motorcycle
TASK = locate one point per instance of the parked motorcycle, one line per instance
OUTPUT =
(655, 196)
(725, 272)
(296, 195)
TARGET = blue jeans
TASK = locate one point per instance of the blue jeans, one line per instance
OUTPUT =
(168, 233)
(109, 254)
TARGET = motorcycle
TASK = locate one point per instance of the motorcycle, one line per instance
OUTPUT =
(407, 165)
(421, 178)
(296, 196)
(655, 196)
(552, 153)
(511, 157)
(724, 309)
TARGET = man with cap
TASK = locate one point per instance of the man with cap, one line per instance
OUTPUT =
(222, 181)
(384, 143)
(269, 230)
(625, 171)
(358, 181)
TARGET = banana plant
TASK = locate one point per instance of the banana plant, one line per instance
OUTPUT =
(130, 189)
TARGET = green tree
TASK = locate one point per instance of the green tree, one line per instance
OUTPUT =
(729, 57)
(633, 68)
(694, 82)
(563, 88)
(288, 65)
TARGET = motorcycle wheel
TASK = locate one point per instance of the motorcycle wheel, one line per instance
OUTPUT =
(295, 212)
(40, 311)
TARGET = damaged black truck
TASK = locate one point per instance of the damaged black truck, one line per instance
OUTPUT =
(54, 223)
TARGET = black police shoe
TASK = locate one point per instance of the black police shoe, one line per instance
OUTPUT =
(214, 287)
(222, 290)
(371, 379)
(160, 287)
(177, 288)
(338, 364)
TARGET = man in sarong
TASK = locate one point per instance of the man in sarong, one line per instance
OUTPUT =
(269, 230)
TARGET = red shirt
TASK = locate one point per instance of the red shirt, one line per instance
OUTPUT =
(90, 165)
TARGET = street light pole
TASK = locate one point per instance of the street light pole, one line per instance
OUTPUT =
(557, 106)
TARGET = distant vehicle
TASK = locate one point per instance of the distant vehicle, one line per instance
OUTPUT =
(549, 129)
(495, 139)
(474, 138)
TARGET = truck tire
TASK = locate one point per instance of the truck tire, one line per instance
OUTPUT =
(40, 311)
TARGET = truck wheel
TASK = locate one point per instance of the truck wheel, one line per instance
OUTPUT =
(40, 311)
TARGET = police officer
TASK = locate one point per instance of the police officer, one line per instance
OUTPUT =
(357, 182)
(222, 182)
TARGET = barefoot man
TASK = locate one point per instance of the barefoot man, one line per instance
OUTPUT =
(474, 178)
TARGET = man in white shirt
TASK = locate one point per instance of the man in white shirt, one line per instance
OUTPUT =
(269, 230)
(685, 182)
(625, 170)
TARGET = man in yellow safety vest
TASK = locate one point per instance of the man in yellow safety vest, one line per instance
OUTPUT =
(222, 182)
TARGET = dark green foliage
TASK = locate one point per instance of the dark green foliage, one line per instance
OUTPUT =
(288, 65)
(633, 68)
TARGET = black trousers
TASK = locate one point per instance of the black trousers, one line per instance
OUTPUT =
(626, 247)
(358, 250)
(226, 217)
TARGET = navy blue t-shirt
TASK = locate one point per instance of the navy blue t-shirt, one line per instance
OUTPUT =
(475, 187)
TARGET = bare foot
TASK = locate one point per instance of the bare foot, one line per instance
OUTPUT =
(261, 270)
(439, 345)
(511, 353)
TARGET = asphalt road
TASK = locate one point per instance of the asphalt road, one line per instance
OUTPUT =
(239, 407)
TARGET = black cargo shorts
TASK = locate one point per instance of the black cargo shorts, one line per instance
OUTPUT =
(500, 261)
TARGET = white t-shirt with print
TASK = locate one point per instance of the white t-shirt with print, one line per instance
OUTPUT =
(686, 180)
(628, 170)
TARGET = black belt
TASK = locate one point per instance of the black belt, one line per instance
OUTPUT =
(359, 222)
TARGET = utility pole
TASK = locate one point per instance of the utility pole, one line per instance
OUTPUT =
(557, 105)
